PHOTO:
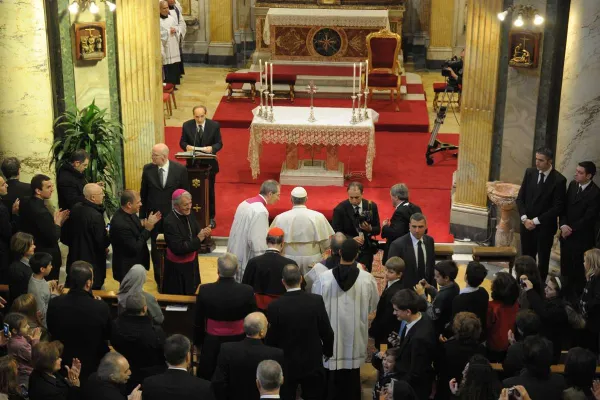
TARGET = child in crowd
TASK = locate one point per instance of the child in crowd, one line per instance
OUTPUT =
(385, 363)
(20, 344)
(440, 310)
(473, 298)
(501, 316)
(385, 322)
(43, 291)
(526, 265)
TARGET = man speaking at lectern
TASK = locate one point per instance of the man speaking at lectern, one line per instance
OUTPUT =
(204, 135)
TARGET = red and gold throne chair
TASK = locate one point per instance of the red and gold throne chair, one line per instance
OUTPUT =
(384, 70)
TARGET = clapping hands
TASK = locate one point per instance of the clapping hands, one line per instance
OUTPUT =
(73, 372)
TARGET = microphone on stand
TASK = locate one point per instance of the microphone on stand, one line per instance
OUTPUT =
(194, 147)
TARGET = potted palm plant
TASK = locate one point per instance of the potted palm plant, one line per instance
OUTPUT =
(91, 129)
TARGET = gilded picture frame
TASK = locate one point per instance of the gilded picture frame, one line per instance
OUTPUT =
(524, 48)
(90, 41)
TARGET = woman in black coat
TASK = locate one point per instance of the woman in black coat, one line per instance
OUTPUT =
(46, 382)
(589, 303)
(552, 312)
(456, 352)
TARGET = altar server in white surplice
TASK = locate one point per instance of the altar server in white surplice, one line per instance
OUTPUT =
(169, 38)
(349, 294)
(307, 232)
(247, 238)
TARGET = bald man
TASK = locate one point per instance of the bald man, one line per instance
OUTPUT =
(86, 233)
(235, 376)
(160, 179)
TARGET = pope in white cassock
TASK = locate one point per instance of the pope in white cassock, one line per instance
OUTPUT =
(169, 38)
(307, 232)
(349, 294)
(247, 238)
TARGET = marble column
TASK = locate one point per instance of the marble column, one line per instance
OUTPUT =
(469, 216)
(140, 80)
(220, 48)
(441, 33)
(579, 117)
(26, 112)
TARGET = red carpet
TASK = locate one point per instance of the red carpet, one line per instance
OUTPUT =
(399, 158)
(412, 116)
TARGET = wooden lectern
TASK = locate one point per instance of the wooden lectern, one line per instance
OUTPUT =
(198, 182)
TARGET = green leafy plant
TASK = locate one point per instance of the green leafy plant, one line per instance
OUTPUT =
(91, 129)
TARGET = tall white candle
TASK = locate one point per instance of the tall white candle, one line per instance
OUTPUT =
(272, 91)
(261, 77)
(354, 79)
(367, 74)
(359, 76)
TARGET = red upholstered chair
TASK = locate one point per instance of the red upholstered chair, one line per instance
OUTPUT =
(242, 77)
(167, 104)
(384, 70)
(170, 89)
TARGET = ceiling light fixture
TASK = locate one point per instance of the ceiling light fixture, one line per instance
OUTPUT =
(81, 5)
(524, 13)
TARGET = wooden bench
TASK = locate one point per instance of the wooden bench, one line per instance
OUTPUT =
(557, 368)
(500, 254)
(443, 251)
(242, 77)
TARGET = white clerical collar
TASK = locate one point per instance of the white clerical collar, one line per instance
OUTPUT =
(294, 289)
(178, 368)
(274, 250)
(468, 289)
(390, 283)
(403, 203)
(270, 396)
(584, 186)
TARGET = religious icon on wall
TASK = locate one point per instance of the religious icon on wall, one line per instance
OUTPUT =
(186, 7)
(524, 48)
(90, 41)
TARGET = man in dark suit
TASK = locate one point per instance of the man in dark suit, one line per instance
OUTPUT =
(86, 233)
(358, 219)
(385, 322)
(129, 236)
(219, 321)
(70, 180)
(418, 252)
(263, 272)
(235, 376)
(160, 179)
(299, 325)
(540, 201)
(398, 225)
(577, 223)
(37, 220)
(81, 322)
(8, 226)
(204, 134)
(11, 169)
(417, 343)
(109, 381)
(177, 382)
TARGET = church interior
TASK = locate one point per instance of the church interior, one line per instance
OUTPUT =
(525, 77)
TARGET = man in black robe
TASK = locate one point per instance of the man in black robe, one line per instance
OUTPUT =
(263, 272)
(7, 228)
(16, 190)
(37, 220)
(184, 238)
(87, 235)
(218, 321)
(70, 180)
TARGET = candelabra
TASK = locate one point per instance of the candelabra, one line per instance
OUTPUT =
(260, 108)
(353, 120)
(271, 117)
(359, 113)
(366, 112)
(312, 89)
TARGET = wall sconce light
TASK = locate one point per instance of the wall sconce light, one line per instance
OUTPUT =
(91, 5)
(523, 13)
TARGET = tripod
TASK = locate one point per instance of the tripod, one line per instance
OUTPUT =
(434, 145)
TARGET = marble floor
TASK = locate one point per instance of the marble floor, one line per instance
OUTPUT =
(204, 85)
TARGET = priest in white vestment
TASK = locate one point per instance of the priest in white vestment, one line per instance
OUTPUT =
(247, 238)
(349, 294)
(307, 232)
(176, 12)
(169, 38)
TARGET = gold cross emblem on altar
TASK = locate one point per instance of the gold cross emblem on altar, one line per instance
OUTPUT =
(197, 208)
(196, 183)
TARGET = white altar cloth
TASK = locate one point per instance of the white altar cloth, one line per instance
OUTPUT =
(323, 17)
(331, 128)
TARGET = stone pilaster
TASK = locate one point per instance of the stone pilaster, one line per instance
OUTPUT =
(468, 216)
(26, 105)
(579, 117)
(441, 35)
(140, 81)
(220, 48)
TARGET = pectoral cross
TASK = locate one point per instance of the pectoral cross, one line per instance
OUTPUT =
(197, 208)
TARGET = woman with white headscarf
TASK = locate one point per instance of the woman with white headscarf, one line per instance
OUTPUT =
(133, 282)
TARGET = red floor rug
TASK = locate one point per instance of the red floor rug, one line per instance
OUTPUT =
(399, 158)
(412, 116)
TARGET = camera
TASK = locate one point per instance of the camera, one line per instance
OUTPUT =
(514, 394)
(362, 218)
(455, 63)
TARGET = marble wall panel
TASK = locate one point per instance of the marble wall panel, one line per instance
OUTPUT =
(26, 111)
(579, 119)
